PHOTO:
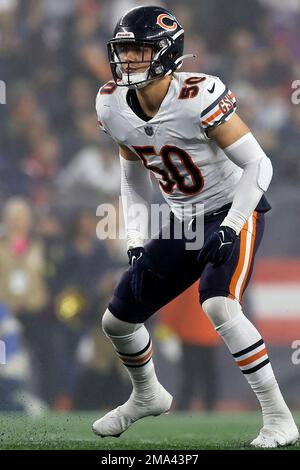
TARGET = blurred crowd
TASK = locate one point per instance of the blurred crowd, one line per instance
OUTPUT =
(55, 279)
(56, 168)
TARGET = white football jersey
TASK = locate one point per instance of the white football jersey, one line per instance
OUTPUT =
(190, 168)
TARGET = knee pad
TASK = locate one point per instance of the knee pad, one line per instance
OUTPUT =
(112, 326)
(221, 309)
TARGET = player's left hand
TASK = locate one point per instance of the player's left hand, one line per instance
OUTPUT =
(219, 247)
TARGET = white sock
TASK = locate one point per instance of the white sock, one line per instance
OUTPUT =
(135, 351)
(249, 351)
(272, 403)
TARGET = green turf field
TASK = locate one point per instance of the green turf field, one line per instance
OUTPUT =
(178, 431)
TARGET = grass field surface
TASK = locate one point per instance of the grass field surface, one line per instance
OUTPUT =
(176, 431)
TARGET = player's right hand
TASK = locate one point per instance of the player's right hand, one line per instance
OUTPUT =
(140, 264)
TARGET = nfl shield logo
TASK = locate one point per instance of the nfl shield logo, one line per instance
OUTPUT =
(148, 130)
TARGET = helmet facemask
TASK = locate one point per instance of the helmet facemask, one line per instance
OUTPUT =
(149, 54)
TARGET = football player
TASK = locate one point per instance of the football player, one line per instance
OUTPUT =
(183, 128)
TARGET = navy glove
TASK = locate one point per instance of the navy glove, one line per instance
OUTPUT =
(219, 247)
(141, 267)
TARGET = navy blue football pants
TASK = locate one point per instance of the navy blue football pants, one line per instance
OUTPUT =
(178, 269)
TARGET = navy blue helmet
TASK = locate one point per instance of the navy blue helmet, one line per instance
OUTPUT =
(146, 26)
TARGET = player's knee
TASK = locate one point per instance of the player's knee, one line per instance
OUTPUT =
(112, 326)
(219, 310)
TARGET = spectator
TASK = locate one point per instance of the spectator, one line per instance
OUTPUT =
(15, 369)
(77, 291)
(22, 274)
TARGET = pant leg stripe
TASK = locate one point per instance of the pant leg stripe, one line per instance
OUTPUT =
(253, 238)
(247, 258)
(238, 270)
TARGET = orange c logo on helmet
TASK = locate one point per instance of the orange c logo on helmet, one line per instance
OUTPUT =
(160, 22)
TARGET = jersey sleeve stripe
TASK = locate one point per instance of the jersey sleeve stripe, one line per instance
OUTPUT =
(219, 121)
(214, 104)
(213, 111)
(212, 117)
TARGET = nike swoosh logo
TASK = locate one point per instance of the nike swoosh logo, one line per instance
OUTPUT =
(134, 258)
(222, 241)
(212, 88)
(225, 243)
